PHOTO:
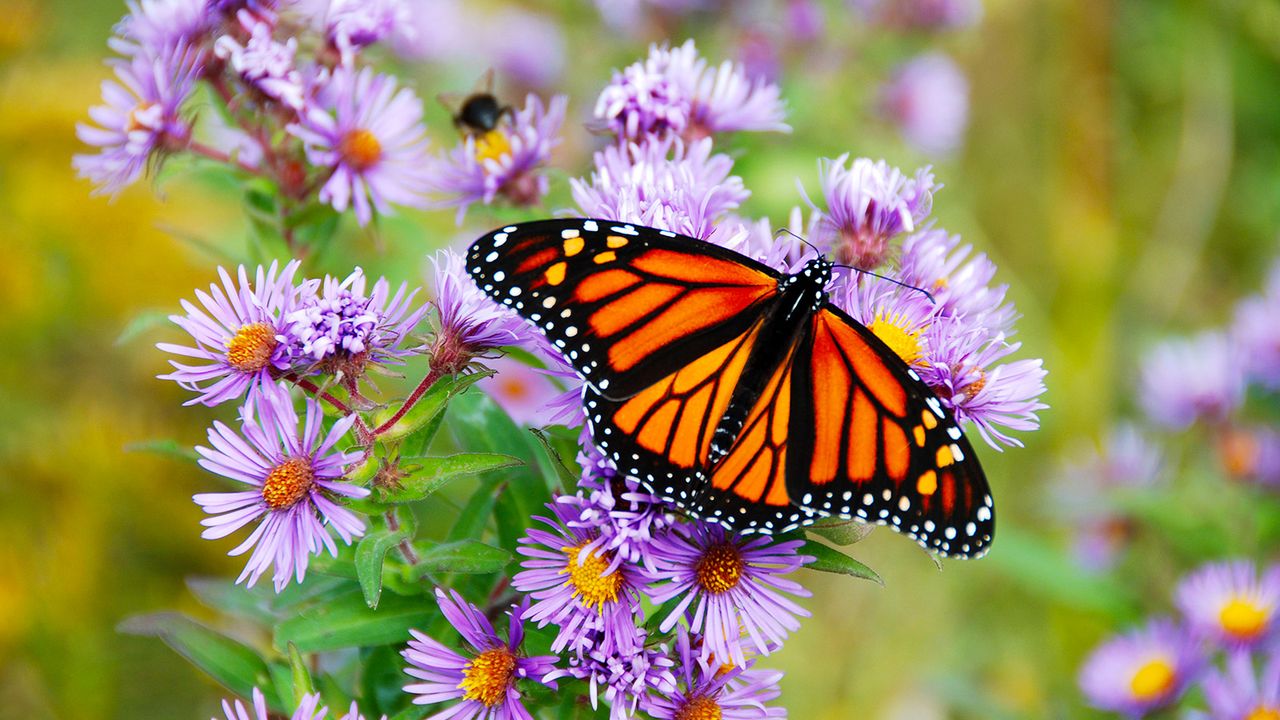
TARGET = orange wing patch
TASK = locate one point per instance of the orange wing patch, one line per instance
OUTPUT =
(755, 467)
(836, 337)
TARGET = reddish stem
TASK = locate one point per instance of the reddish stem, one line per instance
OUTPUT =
(217, 155)
(406, 549)
(362, 429)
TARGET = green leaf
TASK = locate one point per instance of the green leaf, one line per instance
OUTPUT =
(235, 665)
(475, 515)
(347, 621)
(463, 556)
(1047, 572)
(163, 446)
(433, 473)
(142, 323)
(833, 561)
(431, 404)
(300, 674)
(224, 595)
(556, 450)
(371, 551)
(841, 532)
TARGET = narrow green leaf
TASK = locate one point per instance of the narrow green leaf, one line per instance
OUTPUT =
(163, 446)
(463, 556)
(432, 403)
(142, 323)
(833, 561)
(475, 515)
(371, 551)
(301, 675)
(433, 473)
(224, 595)
(347, 621)
(841, 532)
(233, 664)
(556, 451)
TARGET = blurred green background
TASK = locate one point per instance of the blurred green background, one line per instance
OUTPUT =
(1121, 167)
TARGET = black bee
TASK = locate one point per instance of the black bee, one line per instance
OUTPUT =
(480, 112)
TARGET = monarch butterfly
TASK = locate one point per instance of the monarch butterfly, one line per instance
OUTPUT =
(736, 392)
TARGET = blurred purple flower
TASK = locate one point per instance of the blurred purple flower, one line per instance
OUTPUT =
(928, 99)
(263, 63)
(868, 204)
(1251, 452)
(485, 682)
(1230, 604)
(578, 587)
(309, 708)
(341, 328)
(1257, 332)
(663, 184)
(525, 46)
(158, 27)
(351, 25)
(240, 335)
(1236, 693)
(525, 393)
(469, 320)
(503, 161)
(1143, 670)
(140, 119)
(1185, 380)
(921, 14)
(729, 587)
(707, 690)
(628, 680)
(673, 91)
(805, 21)
(296, 479)
(966, 377)
(371, 135)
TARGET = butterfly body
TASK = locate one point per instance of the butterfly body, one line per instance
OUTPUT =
(739, 393)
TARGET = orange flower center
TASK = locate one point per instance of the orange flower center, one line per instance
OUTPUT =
(1264, 712)
(251, 347)
(588, 578)
(360, 149)
(287, 483)
(699, 708)
(1153, 680)
(1243, 619)
(720, 568)
(487, 677)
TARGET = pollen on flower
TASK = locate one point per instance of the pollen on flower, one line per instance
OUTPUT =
(589, 579)
(360, 149)
(1243, 619)
(251, 348)
(1264, 712)
(287, 483)
(493, 145)
(136, 121)
(720, 568)
(1153, 680)
(901, 339)
(974, 387)
(487, 677)
(699, 708)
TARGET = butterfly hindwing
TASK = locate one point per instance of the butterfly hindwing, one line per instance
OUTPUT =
(619, 302)
(871, 441)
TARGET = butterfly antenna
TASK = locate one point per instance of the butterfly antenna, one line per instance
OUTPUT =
(899, 283)
(784, 231)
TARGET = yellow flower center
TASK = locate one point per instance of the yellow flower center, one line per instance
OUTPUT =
(720, 568)
(1243, 619)
(699, 708)
(492, 146)
(287, 483)
(251, 347)
(1264, 712)
(360, 149)
(1152, 680)
(133, 122)
(488, 676)
(895, 332)
(588, 578)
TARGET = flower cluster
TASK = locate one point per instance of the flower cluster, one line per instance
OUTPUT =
(1228, 614)
(309, 707)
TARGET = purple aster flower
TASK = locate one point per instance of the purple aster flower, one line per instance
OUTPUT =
(928, 99)
(965, 374)
(309, 708)
(663, 184)
(1236, 693)
(583, 589)
(673, 91)
(343, 329)
(484, 679)
(470, 322)
(959, 281)
(1143, 670)
(1257, 333)
(140, 119)
(352, 25)
(371, 134)
(1199, 378)
(264, 64)
(922, 14)
(781, 250)
(1229, 603)
(729, 586)
(239, 335)
(526, 393)
(868, 204)
(629, 680)
(159, 26)
(296, 479)
(709, 691)
(503, 161)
